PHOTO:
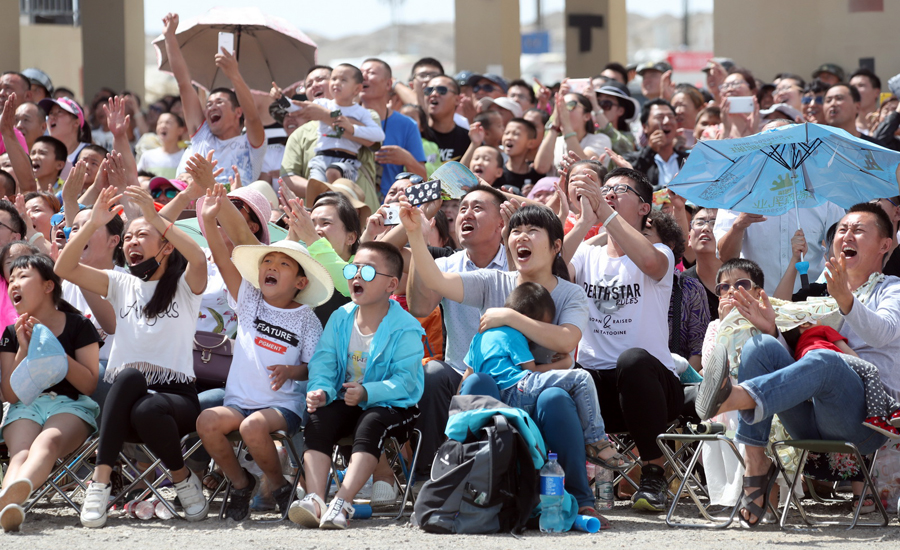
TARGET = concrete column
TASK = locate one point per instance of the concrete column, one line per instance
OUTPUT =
(595, 35)
(487, 34)
(112, 45)
(9, 36)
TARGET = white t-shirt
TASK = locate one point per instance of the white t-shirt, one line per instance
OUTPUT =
(595, 142)
(160, 163)
(160, 347)
(369, 130)
(269, 336)
(628, 308)
(72, 293)
(216, 313)
(357, 355)
(236, 151)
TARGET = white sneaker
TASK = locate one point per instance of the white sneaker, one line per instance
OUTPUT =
(16, 492)
(307, 511)
(96, 501)
(384, 494)
(190, 493)
(11, 517)
(338, 515)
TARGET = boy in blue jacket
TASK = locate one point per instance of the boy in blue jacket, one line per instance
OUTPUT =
(365, 379)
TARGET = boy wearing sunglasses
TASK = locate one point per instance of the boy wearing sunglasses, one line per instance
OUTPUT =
(365, 380)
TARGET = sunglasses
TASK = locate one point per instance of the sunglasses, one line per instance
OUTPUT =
(606, 104)
(441, 90)
(620, 189)
(365, 271)
(487, 88)
(819, 100)
(570, 105)
(170, 193)
(413, 178)
(723, 288)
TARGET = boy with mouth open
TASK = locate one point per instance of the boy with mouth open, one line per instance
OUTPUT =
(273, 290)
(365, 379)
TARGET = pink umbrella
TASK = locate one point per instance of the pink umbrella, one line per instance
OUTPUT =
(269, 49)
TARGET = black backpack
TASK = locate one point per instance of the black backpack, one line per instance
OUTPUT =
(487, 484)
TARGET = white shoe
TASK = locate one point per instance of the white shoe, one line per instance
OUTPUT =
(338, 515)
(307, 511)
(11, 517)
(96, 502)
(384, 493)
(16, 492)
(190, 493)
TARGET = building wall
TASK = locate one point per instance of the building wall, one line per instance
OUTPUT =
(55, 49)
(772, 36)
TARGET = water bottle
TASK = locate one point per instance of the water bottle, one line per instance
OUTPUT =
(552, 481)
(163, 512)
(603, 490)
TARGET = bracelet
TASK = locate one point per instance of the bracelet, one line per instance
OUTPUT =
(167, 229)
(610, 218)
(35, 237)
(570, 134)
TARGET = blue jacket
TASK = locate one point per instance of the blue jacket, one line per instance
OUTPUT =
(394, 375)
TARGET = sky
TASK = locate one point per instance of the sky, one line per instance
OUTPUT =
(362, 16)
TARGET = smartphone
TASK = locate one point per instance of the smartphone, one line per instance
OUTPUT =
(423, 192)
(740, 105)
(226, 40)
(391, 214)
(287, 104)
(579, 85)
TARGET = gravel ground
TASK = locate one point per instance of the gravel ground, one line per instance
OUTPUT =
(53, 526)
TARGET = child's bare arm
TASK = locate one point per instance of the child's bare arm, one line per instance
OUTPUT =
(842, 345)
(466, 373)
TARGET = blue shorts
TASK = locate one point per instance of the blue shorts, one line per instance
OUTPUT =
(47, 405)
(291, 418)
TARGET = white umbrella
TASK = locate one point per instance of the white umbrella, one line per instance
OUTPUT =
(269, 49)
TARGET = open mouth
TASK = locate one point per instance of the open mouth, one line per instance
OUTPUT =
(135, 258)
(509, 145)
(270, 280)
(467, 227)
(523, 253)
(16, 297)
(848, 251)
(704, 239)
(356, 288)
(477, 170)
(433, 101)
(214, 118)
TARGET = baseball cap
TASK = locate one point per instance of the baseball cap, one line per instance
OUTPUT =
(782, 108)
(832, 68)
(495, 78)
(66, 104)
(726, 62)
(159, 181)
(504, 103)
(37, 76)
(660, 66)
(462, 77)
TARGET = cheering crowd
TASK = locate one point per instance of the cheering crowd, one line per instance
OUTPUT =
(569, 282)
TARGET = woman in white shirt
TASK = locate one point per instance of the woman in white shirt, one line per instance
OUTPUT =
(571, 128)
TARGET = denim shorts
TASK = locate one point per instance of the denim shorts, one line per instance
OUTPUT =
(291, 418)
(48, 404)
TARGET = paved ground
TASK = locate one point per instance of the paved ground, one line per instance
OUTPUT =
(54, 527)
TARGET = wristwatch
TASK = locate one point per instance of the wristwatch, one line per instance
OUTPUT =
(550, 126)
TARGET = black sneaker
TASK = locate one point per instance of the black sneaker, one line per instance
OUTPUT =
(283, 497)
(652, 494)
(238, 505)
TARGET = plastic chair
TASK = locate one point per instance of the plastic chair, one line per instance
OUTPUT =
(67, 467)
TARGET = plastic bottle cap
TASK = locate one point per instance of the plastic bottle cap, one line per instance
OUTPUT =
(551, 456)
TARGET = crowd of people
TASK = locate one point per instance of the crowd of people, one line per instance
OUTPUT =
(570, 282)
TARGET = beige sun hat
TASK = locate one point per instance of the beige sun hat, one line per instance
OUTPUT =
(348, 188)
(320, 288)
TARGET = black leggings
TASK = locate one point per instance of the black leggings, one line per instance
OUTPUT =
(158, 420)
(640, 396)
(369, 427)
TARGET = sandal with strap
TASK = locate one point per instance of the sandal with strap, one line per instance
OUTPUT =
(590, 511)
(716, 385)
(865, 508)
(617, 462)
(213, 479)
(763, 485)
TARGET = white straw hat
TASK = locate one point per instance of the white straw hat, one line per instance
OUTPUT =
(320, 288)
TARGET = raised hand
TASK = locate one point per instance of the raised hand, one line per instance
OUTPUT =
(228, 63)
(300, 224)
(116, 118)
(477, 133)
(141, 198)
(115, 171)
(170, 24)
(201, 170)
(409, 216)
(760, 312)
(8, 117)
(74, 183)
(215, 197)
(106, 207)
(235, 180)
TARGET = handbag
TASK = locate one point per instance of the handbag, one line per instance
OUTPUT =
(212, 358)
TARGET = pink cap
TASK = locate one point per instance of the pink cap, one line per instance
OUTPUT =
(66, 104)
(158, 182)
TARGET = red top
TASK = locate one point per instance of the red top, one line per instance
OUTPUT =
(818, 337)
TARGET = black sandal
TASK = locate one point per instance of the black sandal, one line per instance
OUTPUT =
(763, 484)
(716, 385)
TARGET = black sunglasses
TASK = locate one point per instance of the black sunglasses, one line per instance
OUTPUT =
(487, 88)
(441, 90)
(607, 104)
(413, 178)
(170, 193)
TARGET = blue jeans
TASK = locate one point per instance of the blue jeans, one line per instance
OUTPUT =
(556, 416)
(817, 397)
(577, 383)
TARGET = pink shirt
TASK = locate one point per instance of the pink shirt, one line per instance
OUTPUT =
(8, 314)
(21, 139)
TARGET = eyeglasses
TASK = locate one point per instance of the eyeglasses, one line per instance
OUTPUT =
(732, 85)
(701, 223)
(365, 271)
(486, 88)
(570, 105)
(877, 201)
(238, 203)
(170, 193)
(819, 100)
(441, 90)
(607, 104)
(413, 178)
(427, 75)
(723, 288)
(620, 189)
(11, 230)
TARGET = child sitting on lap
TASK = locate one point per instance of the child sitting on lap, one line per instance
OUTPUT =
(272, 289)
(503, 354)
(365, 380)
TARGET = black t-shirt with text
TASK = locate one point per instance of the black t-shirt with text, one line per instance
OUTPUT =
(453, 144)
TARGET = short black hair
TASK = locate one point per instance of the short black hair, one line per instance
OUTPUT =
(641, 184)
(522, 84)
(497, 152)
(229, 92)
(545, 116)
(178, 119)
(317, 67)
(146, 174)
(345, 211)
(645, 110)
(488, 118)
(357, 74)
(795, 77)
(594, 165)
(59, 148)
(15, 219)
(530, 128)
(750, 267)
(669, 232)
(854, 93)
(7, 184)
(748, 76)
(868, 73)
(499, 197)
(382, 62)
(99, 149)
(41, 112)
(425, 62)
(882, 220)
(454, 84)
(389, 253)
(533, 301)
(617, 67)
(22, 77)
(816, 86)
